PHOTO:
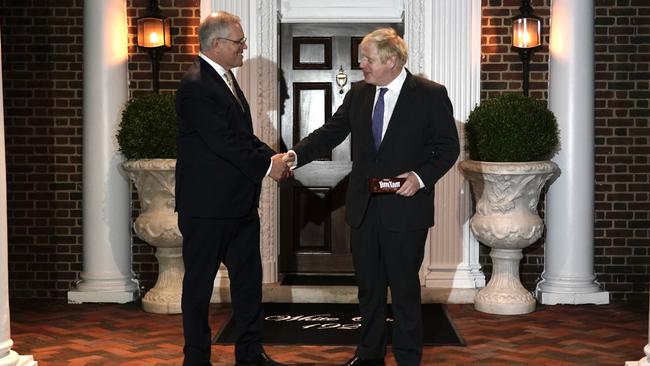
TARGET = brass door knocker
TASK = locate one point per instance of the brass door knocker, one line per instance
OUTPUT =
(341, 79)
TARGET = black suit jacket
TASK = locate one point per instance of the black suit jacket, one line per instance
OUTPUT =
(421, 137)
(221, 163)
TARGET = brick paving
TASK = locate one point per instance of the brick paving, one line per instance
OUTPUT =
(56, 333)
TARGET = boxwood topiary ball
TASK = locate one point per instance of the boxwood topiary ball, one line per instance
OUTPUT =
(511, 128)
(148, 128)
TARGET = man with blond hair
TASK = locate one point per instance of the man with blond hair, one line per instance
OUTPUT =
(219, 173)
(402, 127)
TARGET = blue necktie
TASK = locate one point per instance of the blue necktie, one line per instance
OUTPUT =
(378, 117)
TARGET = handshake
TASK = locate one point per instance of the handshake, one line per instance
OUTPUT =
(281, 165)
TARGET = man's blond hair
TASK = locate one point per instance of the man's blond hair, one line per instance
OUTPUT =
(388, 43)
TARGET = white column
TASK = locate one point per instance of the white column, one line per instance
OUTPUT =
(260, 74)
(7, 356)
(107, 274)
(444, 39)
(568, 276)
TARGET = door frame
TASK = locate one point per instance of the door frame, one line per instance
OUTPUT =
(430, 28)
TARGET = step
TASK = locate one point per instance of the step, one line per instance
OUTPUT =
(274, 292)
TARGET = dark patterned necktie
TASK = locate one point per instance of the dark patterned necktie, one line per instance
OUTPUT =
(378, 118)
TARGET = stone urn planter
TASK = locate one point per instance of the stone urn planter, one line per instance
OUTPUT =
(157, 224)
(506, 220)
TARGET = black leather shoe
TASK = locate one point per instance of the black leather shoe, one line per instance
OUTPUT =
(356, 361)
(262, 360)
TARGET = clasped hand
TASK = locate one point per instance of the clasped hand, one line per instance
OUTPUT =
(280, 167)
(410, 187)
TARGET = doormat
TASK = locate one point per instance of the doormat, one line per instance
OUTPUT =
(335, 325)
(318, 280)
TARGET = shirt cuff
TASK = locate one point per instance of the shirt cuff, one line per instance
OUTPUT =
(268, 171)
(294, 163)
(419, 180)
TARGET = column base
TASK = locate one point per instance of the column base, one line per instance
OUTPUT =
(77, 296)
(641, 362)
(571, 290)
(13, 359)
(552, 298)
(10, 359)
(26, 361)
(269, 272)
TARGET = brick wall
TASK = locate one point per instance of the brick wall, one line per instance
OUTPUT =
(622, 222)
(42, 60)
(42, 77)
(501, 66)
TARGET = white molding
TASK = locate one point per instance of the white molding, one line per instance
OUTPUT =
(341, 11)
(444, 39)
(237, 7)
(414, 34)
(264, 77)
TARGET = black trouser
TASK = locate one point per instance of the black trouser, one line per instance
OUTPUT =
(384, 258)
(206, 244)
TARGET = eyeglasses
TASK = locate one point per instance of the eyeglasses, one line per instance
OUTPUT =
(240, 42)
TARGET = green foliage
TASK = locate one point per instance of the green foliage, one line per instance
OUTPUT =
(511, 128)
(148, 128)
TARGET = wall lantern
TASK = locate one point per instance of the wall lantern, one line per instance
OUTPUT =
(154, 35)
(526, 37)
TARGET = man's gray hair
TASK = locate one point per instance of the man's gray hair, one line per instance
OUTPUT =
(216, 25)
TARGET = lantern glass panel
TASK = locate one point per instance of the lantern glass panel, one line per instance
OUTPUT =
(151, 32)
(168, 32)
(526, 32)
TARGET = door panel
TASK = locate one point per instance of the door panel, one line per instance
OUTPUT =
(312, 106)
(314, 237)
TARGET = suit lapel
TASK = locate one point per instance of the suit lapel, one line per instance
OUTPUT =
(367, 104)
(223, 88)
(214, 75)
(241, 103)
(240, 94)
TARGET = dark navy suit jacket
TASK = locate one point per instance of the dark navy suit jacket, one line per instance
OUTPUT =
(421, 137)
(221, 163)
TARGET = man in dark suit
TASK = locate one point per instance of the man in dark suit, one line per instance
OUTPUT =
(219, 173)
(402, 126)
